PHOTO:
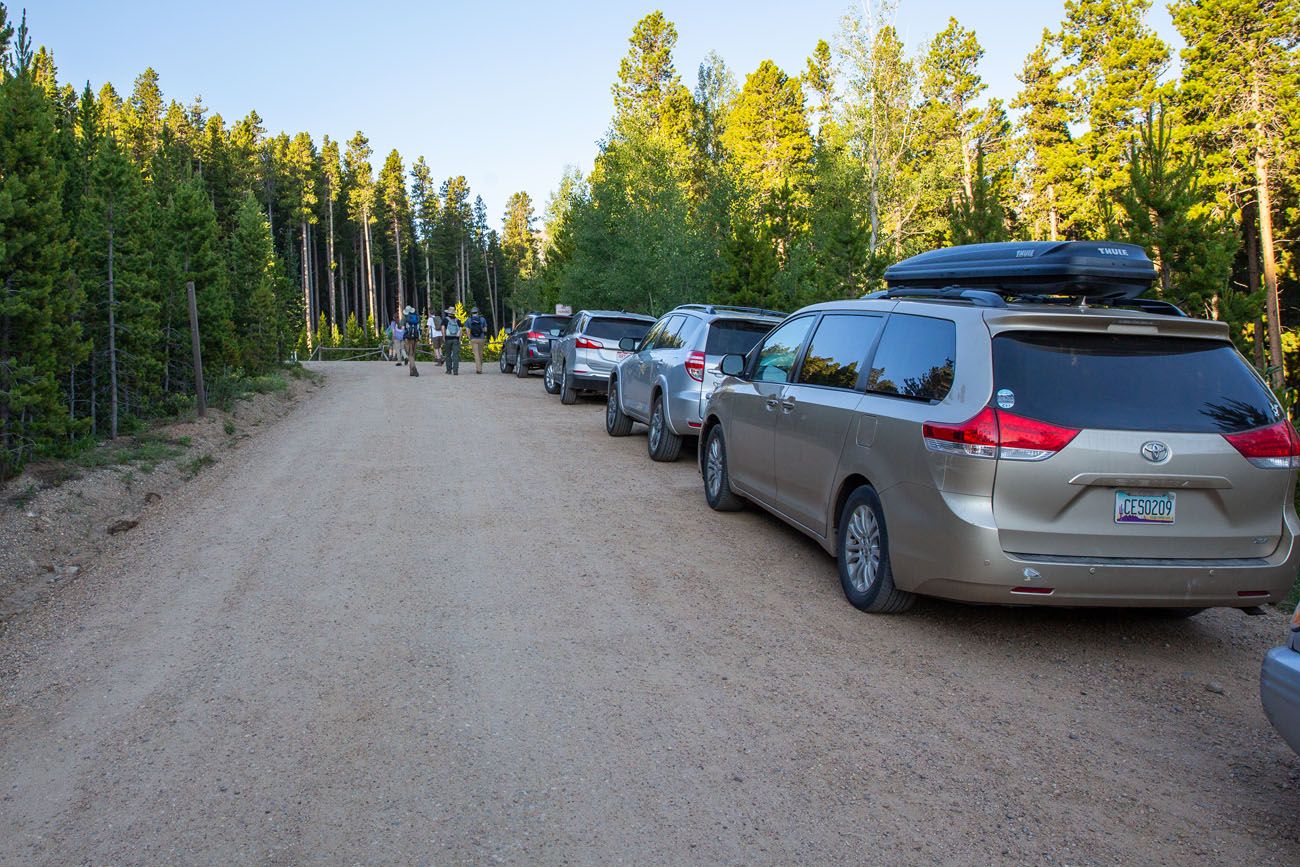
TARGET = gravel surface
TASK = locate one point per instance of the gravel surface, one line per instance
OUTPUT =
(448, 620)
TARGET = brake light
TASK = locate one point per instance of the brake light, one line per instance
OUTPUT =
(1276, 447)
(695, 366)
(588, 343)
(994, 434)
(976, 438)
(536, 335)
(1295, 620)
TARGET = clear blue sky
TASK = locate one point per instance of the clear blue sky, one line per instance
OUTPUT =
(506, 93)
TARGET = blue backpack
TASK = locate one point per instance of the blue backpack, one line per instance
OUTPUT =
(412, 326)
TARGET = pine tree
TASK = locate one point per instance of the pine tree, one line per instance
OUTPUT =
(331, 172)
(38, 336)
(1050, 170)
(424, 203)
(115, 259)
(194, 243)
(979, 218)
(361, 206)
(1166, 215)
(253, 273)
(1241, 95)
(300, 164)
(1115, 61)
(392, 188)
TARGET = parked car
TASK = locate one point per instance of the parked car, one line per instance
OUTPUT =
(1015, 446)
(667, 379)
(587, 350)
(528, 346)
(1279, 686)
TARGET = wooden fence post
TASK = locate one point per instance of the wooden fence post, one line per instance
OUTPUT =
(200, 392)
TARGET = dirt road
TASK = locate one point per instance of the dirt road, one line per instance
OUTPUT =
(447, 620)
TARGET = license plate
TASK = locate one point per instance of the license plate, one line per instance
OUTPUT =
(623, 355)
(1143, 508)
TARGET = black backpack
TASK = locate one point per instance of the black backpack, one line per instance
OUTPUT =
(477, 326)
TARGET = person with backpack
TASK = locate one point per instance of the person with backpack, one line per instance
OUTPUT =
(435, 337)
(478, 329)
(397, 334)
(451, 342)
(411, 329)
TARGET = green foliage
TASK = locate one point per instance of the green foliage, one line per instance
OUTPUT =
(38, 335)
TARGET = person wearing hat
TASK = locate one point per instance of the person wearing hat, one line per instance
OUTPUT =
(451, 341)
(478, 329)
(435, 337)
(411, 332)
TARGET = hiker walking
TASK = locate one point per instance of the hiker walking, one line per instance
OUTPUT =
(397, 333)
(412, 333)
(435, 337)
(478, 328)
(451, 342)
(390, 346)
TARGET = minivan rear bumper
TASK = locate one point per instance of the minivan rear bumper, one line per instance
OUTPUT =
(947, 545)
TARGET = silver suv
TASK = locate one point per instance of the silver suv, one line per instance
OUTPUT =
(1028, 449)
(587, 350)
(667, 379)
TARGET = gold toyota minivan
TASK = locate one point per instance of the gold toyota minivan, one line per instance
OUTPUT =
(1008, 423)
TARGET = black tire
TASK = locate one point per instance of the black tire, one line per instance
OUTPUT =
(717, 480)
(568, 394)
(502, 363)
(662, 443)
(617, 423)
(550, 383)
(862, 551)
(521, 366)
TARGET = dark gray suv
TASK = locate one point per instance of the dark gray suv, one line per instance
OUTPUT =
(668, 378)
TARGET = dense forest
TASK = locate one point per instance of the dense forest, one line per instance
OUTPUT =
(110, 205)
(793, 187)
(803, 185)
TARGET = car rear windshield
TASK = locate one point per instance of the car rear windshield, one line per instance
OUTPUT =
(734, 337)
(1129, 382)
(546, 323)
(617, 329)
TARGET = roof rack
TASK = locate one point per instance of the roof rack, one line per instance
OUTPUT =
(714, 308)
(978, 297)
(989, 298)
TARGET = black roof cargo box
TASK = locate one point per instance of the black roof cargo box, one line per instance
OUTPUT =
(1097, 270)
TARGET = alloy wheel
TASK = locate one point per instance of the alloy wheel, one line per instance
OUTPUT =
(862, 548)
(713, 467)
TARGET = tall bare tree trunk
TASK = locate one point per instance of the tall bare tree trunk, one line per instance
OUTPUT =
(369, 269)
(1269, 260)
(329, 265)
(306, 287)
(397, 243)
(1051, 212)
(112, 336)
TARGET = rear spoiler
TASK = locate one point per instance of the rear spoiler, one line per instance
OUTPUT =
(1108, 321)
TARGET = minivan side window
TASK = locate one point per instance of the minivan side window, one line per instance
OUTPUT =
(838, 350)
(777, 354)
(916, 358)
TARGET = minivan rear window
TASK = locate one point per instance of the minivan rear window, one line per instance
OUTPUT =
(734, 337)
(1129, 382)
(617, 329)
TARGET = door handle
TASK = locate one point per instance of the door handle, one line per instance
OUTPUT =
(771, 403)
(787, 405)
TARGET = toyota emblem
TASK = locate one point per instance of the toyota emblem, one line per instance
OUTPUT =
(1155, 451)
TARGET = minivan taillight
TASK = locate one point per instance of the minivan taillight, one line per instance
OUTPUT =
(995, 434)
(695, 366)
(536, 335)
(588, 343)
(1276, 447)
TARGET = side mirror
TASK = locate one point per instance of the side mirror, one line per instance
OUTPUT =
(732, 365)
(628, 344)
